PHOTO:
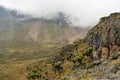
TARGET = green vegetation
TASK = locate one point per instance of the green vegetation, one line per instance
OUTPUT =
(33, 75)
(78, 58)
(57, 67)
(88, 50)
(57, 64)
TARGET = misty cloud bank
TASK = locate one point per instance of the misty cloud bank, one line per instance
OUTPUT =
(81, 12)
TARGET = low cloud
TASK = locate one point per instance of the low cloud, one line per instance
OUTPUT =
(82, 12)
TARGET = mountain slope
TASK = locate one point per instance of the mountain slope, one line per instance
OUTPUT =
(22, 30)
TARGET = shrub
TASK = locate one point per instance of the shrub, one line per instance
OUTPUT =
(57, 64)
(88, 50)
(74, 59)
(57, 67)
(78, 58)
(33, 75)
(39, 68)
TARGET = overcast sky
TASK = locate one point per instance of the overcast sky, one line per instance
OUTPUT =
(83, 12)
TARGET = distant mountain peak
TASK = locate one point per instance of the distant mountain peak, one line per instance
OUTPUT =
(59, 18)
(9, 14)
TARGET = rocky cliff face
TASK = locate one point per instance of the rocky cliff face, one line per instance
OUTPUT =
(105, 36)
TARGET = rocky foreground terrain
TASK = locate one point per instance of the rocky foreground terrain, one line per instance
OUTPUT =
(99, 69)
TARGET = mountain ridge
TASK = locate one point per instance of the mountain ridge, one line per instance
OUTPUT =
(17, 29)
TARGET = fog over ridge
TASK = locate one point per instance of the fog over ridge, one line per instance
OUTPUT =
(81, 12)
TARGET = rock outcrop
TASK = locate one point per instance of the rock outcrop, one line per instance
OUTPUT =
(105, 36)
